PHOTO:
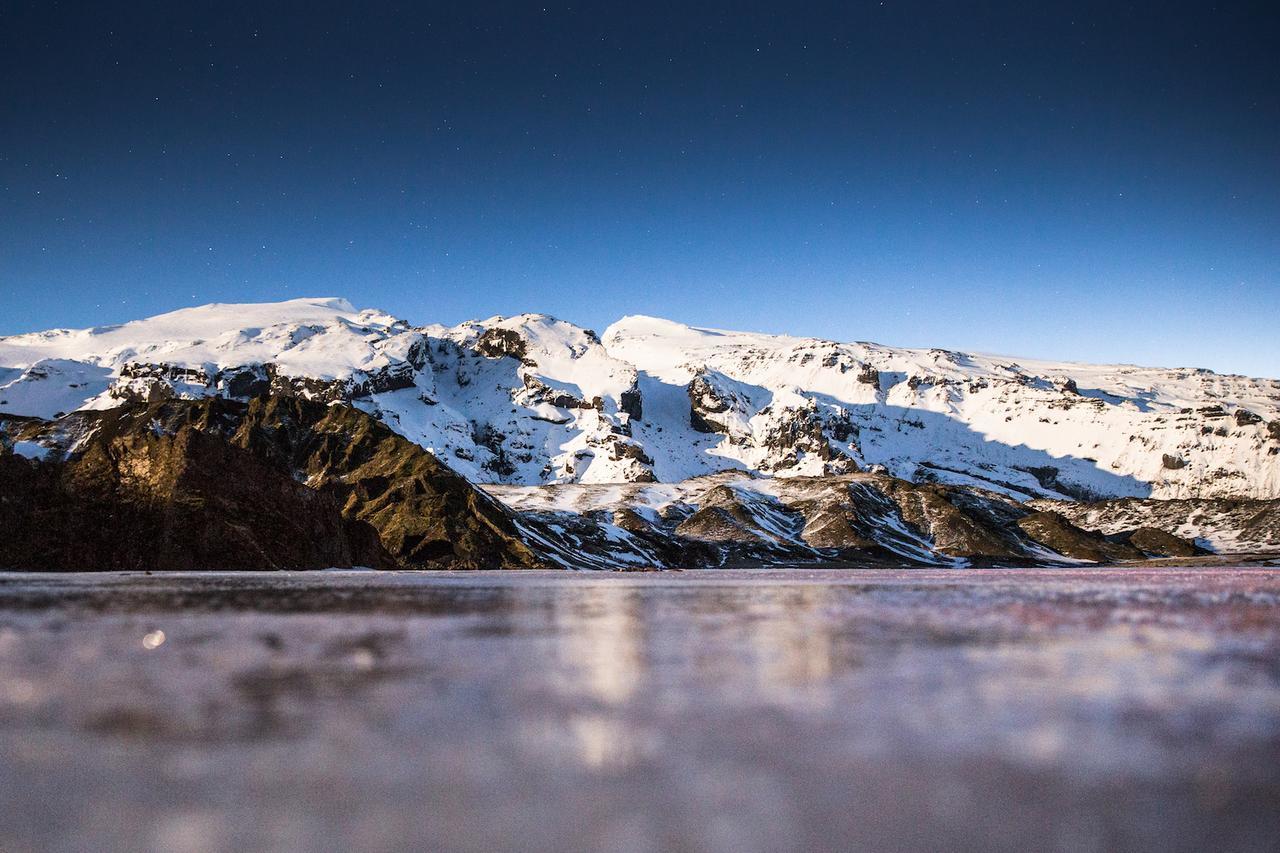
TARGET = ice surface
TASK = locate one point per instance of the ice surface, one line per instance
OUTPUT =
(703, 711)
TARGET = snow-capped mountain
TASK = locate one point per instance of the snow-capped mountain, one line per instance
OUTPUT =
(532, 400)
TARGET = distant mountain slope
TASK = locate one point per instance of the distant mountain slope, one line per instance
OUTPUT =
(1022, 427)
(736, 519)
(533, 400)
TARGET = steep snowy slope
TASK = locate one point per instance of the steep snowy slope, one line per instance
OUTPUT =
(533, 400)
(196, 351)
(1016, 426)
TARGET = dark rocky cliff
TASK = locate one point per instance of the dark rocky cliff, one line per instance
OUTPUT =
(277, 483)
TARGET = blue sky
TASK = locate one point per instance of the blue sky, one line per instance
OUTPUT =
(1089, 182)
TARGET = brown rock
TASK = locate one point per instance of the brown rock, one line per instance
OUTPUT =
(1054, 531)
(955, 530)
(1159, 543)
(172, 501)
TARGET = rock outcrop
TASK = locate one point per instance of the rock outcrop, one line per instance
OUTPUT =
(859, 519)
(1218, 524)
(137, 499)
(1056, 533)
(276, 483)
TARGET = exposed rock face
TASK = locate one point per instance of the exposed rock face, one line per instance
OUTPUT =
(495, 343)
(957, 526)
(281, 482)
(969, 419)
(1056, 533)
(1155, 542)
(133, 499)
(537, 392)
(424, 513)
(730, 516)
(710, 401)
(553, 404)
(143, 382)
(789, 434)
(1217, 524)
(846, 521)
(719, 524)
(632, 404)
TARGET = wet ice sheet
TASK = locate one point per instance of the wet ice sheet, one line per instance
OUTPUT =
(800, 710)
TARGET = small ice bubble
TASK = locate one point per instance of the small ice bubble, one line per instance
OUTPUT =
(153, 640)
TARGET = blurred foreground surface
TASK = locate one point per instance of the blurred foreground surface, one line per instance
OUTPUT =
(701, 711)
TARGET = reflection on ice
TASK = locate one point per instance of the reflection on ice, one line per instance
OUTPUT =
(599, 642)
(791, 645)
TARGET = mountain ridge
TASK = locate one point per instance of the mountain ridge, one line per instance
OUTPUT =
(533, 400)
(281, 482)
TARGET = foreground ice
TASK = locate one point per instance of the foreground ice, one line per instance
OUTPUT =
(704, 711)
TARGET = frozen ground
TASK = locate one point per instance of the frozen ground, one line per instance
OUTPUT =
(699, 711)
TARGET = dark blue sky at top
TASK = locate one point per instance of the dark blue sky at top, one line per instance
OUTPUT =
(1097, 181)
